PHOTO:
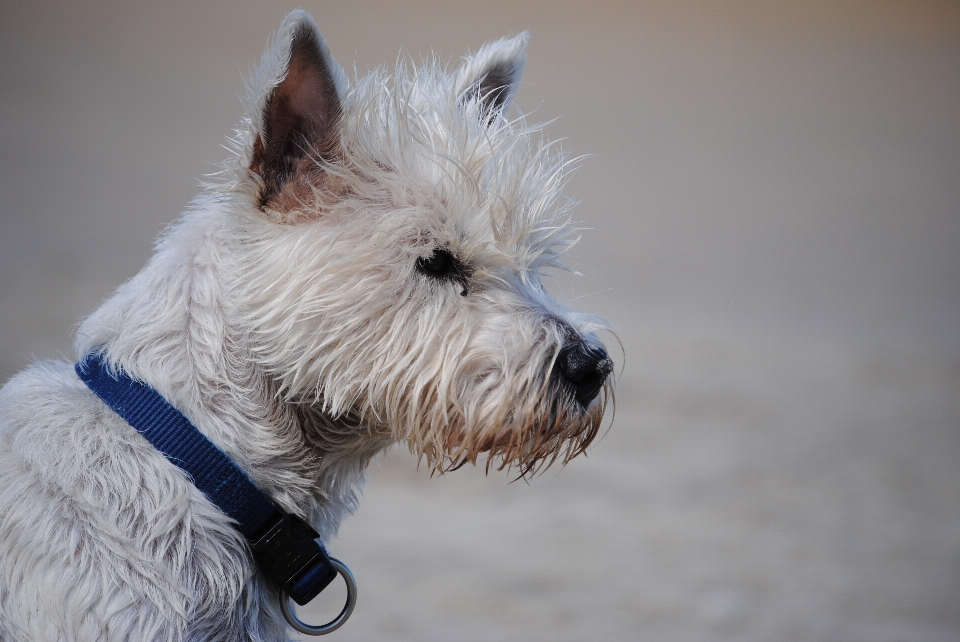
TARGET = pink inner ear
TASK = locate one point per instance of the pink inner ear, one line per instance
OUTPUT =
(299, 117)
(310, 92)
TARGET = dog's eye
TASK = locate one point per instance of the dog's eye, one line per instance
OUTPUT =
(444, 265)
(439, 264)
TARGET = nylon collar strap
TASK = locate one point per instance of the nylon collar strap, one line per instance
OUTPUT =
(283, 545)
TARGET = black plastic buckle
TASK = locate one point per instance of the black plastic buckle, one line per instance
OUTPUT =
(290, 556)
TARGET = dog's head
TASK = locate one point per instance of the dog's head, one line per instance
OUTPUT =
(390, 243)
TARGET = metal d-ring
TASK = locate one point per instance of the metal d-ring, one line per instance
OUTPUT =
(336, 622)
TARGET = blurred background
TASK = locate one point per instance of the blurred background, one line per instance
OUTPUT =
(773, 197)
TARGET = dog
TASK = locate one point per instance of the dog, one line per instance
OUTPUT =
(366, 269)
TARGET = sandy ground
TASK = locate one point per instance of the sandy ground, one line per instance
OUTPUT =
(775, 223)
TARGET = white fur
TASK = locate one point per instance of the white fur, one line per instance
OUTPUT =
(302, 341)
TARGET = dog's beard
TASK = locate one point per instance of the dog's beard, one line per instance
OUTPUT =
(554, 428)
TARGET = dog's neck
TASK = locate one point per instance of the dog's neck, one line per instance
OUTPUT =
(169, 327)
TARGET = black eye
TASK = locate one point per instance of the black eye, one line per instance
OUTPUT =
(445, 266)
(440, 264)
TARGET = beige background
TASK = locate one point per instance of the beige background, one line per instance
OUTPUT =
(775, 212)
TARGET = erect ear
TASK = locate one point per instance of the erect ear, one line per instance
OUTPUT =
(492, 75)
(298, 111)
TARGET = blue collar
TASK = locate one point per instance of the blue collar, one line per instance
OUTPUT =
(283, 545)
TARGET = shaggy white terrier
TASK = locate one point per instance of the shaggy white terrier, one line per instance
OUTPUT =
(366, 271)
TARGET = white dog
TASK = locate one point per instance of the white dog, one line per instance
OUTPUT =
(367, 271)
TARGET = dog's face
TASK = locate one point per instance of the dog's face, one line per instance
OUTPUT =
(388, 256)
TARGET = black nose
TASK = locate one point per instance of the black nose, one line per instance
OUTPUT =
(584, 367)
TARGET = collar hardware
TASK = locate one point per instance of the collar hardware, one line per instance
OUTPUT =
(290, 556)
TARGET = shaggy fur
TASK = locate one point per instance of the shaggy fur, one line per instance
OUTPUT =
(365, 271)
